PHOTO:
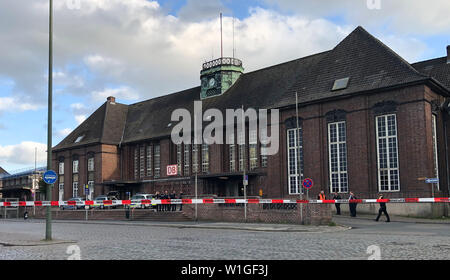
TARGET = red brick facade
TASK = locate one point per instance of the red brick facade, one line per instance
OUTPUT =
(114, 164)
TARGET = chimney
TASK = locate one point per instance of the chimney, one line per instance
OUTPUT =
(111, 99)
(448, 54)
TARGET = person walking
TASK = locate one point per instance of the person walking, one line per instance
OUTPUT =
(352, 205)
(382, 210)
(336, 196)
(321, 195)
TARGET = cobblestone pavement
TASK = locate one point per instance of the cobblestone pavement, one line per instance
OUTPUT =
(396, 240)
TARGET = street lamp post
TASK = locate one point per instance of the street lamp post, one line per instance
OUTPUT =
(48, 224)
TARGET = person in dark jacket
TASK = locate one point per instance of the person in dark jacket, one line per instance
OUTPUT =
(181, 197)
(352, 206)
(157, 197)
(336, 196)
(382, 210)
(173, 195)
(165, 196)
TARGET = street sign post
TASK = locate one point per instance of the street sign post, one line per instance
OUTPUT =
(432, 181)
(307, 184)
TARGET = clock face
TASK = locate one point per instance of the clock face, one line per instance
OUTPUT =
(212, 82)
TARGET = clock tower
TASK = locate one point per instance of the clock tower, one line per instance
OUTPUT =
(218, 75)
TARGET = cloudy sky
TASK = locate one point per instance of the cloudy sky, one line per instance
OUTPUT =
(139, 49)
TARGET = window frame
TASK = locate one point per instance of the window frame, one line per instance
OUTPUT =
(389, 159)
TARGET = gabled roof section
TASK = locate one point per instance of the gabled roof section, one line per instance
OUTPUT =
(437, 68)
(150, 119)
(105, 126)
(366, 61)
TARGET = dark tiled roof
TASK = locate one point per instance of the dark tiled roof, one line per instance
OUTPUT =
(105, 125)
(368, 63)
(437, 68)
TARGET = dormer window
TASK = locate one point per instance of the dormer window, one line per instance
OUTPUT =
(340, 84)
(79, 138)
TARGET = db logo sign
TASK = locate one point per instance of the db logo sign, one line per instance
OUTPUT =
(172, 170)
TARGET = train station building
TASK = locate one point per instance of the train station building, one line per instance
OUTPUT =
(368, 122)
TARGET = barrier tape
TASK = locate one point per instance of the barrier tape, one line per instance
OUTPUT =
(217, 201)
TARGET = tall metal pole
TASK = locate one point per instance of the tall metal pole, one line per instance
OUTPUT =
(48, 224)
(221, 41)
(298, 157)
(196, 169)
(244, 182)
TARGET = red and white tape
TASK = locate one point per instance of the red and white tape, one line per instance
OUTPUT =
(218, 201)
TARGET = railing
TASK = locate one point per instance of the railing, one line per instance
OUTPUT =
(222, 61)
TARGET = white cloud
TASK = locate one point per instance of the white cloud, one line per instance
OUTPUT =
(136, 46)
(13, 104)
(124, 93)
(404, 16)
(23, 154)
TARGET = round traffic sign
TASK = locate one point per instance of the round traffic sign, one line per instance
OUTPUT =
(50, 177)
(308, 183)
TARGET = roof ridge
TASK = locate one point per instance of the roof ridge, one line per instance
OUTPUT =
(386, 47)
(166, 95)
(286, 62)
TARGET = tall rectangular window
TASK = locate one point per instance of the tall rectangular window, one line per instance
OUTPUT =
(136, 162)
(242, 151)
(61, 168)
(75, 185)
(179, 158)
(149, 160)
(337, 149)
(142, 161)
(91, 164)
(194, 158)
(264, 147)
(157, 159)
(187, 154)
(75, 166)
(387, 150)
(253, 148)
(232, 151)
(435, 149)
(205, 158)
(295, 160)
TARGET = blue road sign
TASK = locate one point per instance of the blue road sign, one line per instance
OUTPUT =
(432, 180)
(50, 177)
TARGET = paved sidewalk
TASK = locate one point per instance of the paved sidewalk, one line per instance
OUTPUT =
(396, 219)
(208, 225)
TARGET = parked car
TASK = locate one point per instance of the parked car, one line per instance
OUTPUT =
(74, 207)
(98, 201)
(137, 198)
